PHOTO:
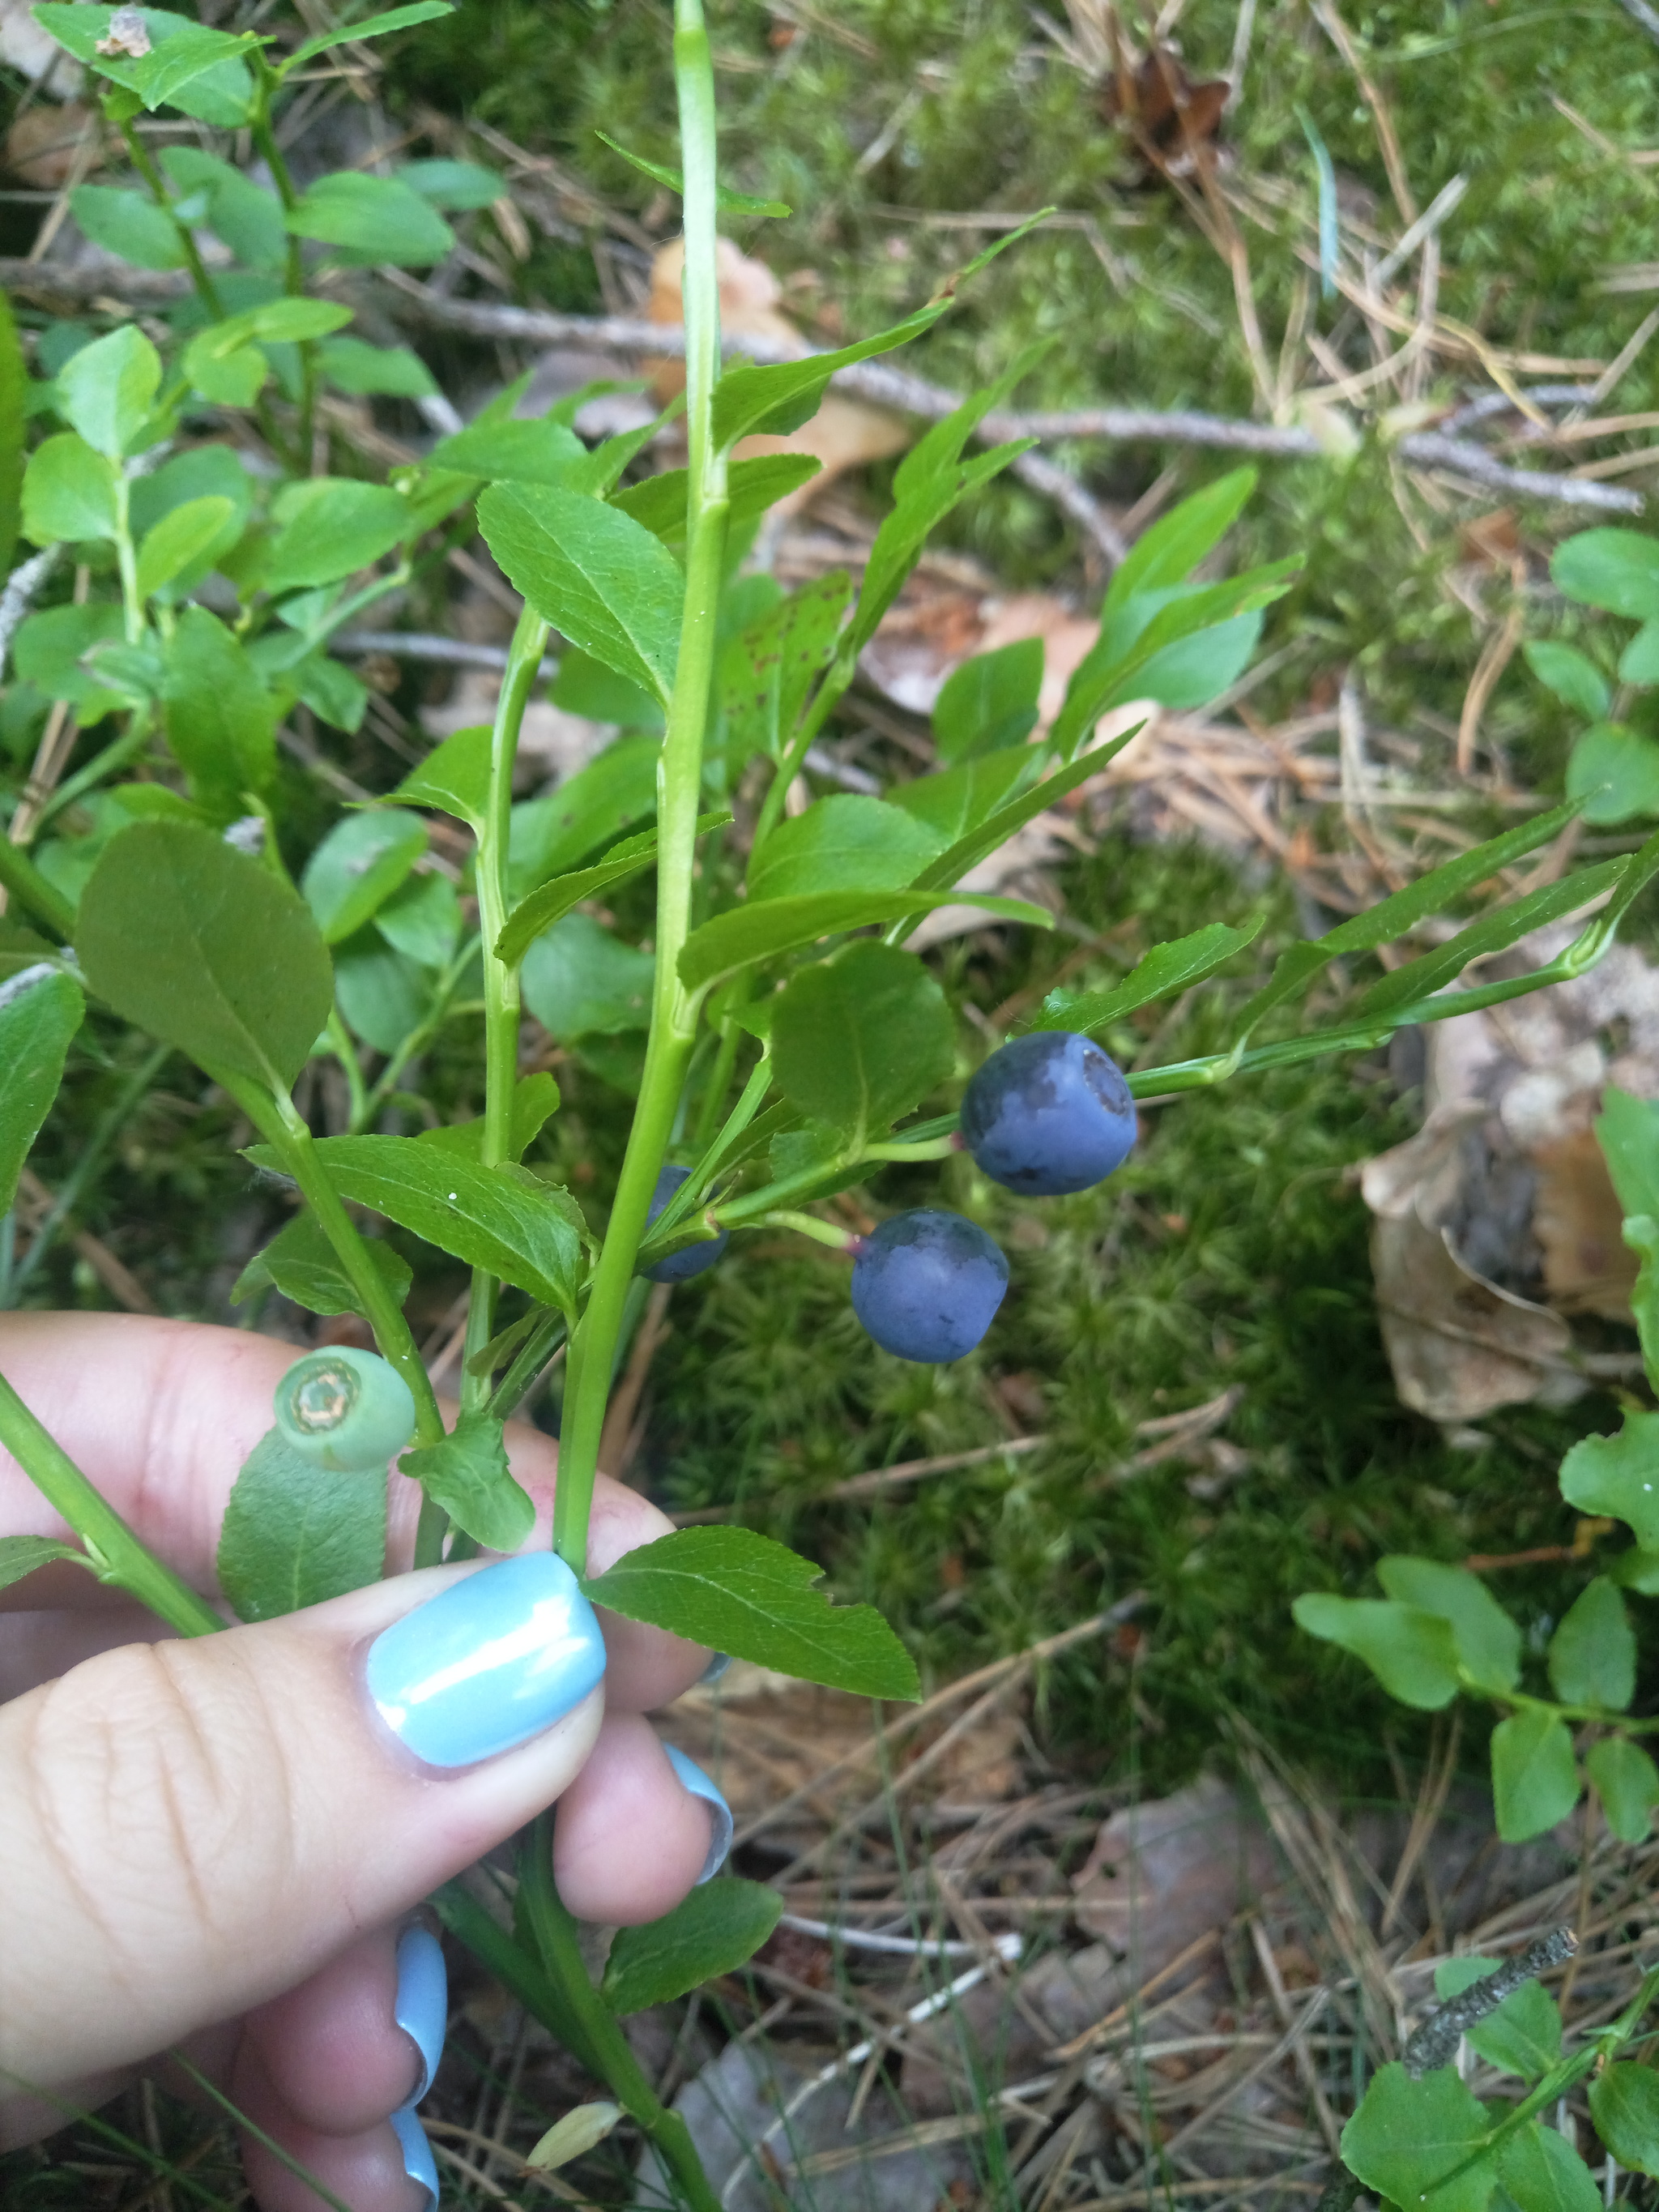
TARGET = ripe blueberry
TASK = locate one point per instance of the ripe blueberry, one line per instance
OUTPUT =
(1047, 1114)
(344, 1409)
(692, 1260)
(927, 1285)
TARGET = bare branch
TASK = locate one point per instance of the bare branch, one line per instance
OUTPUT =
(1435, 2043)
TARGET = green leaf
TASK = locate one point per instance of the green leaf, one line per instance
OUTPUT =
(190, 66)
(844, 843)
(1639, 661)
(767, 671)
(296, 1535)
(754, 485)
(456, 185)
(203, 947)
(1407, 2136)
(1488, 1642)
(221, 720)
(779, 398)
(556, 899)
(990, 702)
(709, 1933)
(366, 26)
(1627, 1130)
(423, 921)
(506, 1219)
(1617, 569)
(1615, 772)
(383, 997)
(1618, 1475)
(355, 366)
(208, 472)
(1534, 1780)
(1627, 1782)
(14, 397)
(859, 1039)
(51, 650)
(129, 225)
(730, 202)
(535, 1100)
(955, 801)
(1522, 2037)
(765, 927)
(329, 527)
(454, 778)
(21, 1556)
(1572, 676)
(361, 861)
(106, 391)
(68, 493)
(372, 219)
(580, 981)
(38, 1018)
(601, 579)
(588, 809)
(1412, 1653)
(542, 452)
(736, 1591)
(1543, 2173)
(585, 686)
(1623, 2104)
(1166, 554)
(228, 379)
(996, 829)
(1159, 974)
(245, 215)
(300, 1263)
(468, 1475)
(1592, 1654)
(178, 540)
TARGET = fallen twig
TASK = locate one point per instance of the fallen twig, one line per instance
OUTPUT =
(1435, 2043)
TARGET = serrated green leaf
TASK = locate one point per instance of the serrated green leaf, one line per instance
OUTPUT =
(535, 1101)
(736, 1591)
(996, 829)
(843, 843)
(296, 1535)
(454, 778)
(955, 801)
(1627, 1781)
(580, 981)
(1408, 2136)
(1535, 1778)
(1543, 2173)
(220, 719)
(1488, 1642)
(1592, 1654)
(711, 1932)
(754, 484)
(538, 451)
(1159, 974)
(990, 702)
(600, 579)
(588, 811)
(556, 899)
(767, 671)
(1624, 2102)
(300, 1264)
(328, 528)
(859, 1039)
(468, 1475)
(766, 927)
(358, 866)
(1618, 1475)
(68, 493)
(190, 66)
(21, 1556)
(1167, 553)
(202, 946)
(1412, 1653)
(38, 1019)
(368, 27)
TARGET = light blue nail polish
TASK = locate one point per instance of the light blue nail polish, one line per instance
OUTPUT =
(717, 1666)
(692, 1777)
(418, 2162)
(489, 1662)
(421, 2006)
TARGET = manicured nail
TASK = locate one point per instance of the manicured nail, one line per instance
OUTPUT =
(718, 1664)
(692, 1777)
(422, 2005)
(418, 2162)
(488, 1663)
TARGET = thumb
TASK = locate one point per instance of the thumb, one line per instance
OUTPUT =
(188, 1829)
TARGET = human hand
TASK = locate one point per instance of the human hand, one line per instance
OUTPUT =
(211, 1846)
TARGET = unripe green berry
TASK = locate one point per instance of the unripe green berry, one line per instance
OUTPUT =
(344, 1409)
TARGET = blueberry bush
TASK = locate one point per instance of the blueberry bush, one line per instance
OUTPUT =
(177, 882)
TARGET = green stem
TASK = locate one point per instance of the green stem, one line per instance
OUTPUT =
(206, 290)
(294, 273)
(679, 781)
(89, 1160)
(345, 1052)
(936, 1148)
(808, 1225)
(115, 754)
(726, 1061)
(824, 699)
(119, 1555)
(282, 1128)
(127, 559)
(24, 882)
(386, 1082)
(555, 1937)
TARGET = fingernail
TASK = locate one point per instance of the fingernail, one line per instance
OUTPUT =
(488, 1663)
(418, 2162)
(692, 1777)
(421, 2006)
(718, 1664)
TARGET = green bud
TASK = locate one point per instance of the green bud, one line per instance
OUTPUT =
(344, 1409)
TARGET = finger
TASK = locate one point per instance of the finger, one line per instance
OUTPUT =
(369, 2169)
(176, 1408)
(332, 2050)
(631, 1838)
(188, 1828)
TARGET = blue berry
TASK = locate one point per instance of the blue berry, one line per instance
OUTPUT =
(692, 1260)
(927, 1285)
(1048, 1114)
(344, 1409)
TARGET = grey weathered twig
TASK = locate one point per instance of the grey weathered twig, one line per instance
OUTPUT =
(1639, 12)
(18, 596)
(1434, 2042)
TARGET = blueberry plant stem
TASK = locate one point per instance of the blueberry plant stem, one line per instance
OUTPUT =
(808, 1225)
(679, 783)
(24, 881)
(117, 1553)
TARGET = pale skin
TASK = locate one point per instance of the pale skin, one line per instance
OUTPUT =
(211, 1846)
